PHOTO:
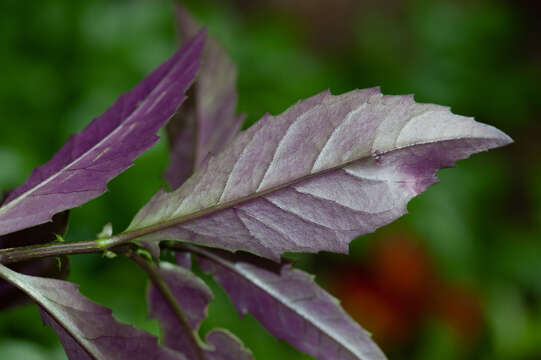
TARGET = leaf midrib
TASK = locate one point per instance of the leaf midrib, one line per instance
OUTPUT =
(158, 226)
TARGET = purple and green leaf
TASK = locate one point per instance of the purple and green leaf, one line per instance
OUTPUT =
(207, 121)
(325, 171)
(80, 170)
(192, 296)
(87, 330)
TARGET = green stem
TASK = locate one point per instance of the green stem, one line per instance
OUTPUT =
(24, 253)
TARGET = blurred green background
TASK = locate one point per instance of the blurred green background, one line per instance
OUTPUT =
(457, 278)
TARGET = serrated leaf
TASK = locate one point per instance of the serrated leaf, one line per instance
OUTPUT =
(192, 296)
(290, 305)
(328, 169)
(49, 267)
(80, 170)
(207, 122)
(87, 330)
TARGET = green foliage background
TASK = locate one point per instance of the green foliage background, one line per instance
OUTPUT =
(64, 62)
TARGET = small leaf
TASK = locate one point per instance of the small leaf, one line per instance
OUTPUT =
(59, 238)
(108, 254)
(106, 232)
(290, 305)
(207, 122)
(87, 330)
(49, 267)
(192, 296)
(80, 170)
(325, 171)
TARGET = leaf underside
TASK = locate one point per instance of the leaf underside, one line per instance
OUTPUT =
(328, 169)
(80, 170)
(290, 305)
(87, 330)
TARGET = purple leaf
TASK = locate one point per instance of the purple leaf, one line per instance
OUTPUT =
(328, 169)
(48, 267)
(87, 330)
(207, 122)
(192, 296)
(80, 170)
(291, 306)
